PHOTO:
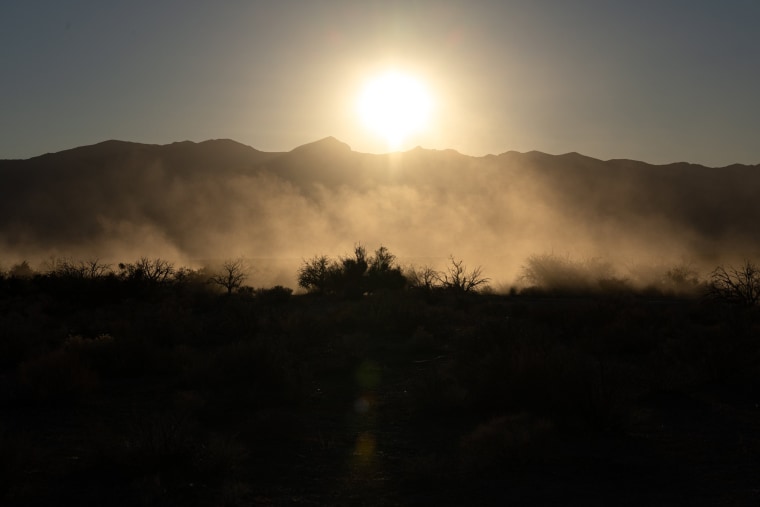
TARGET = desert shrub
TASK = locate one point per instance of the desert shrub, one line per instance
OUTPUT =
(148, 457)
(274, 296)
(156, 456)
(150, 270)
(22, 270)
(221, 455)
(244, 373)
(554, 273)
(111, 357)
(512, 442)
(191, 285)
(353, 275)
(438, 390)
(383, 273)
(20, 337)
(614, 286)
(231, 275)
(211, 320)
(314, 274)
(57, 376)
(389, 315)
(679, 278)
(349, 279)
(682, 278)
(352, 346)
(529, 368)
(422, 340)
(734, 285)
(458, 279)
(717, 355)
(235, 493)
(145, 276)
(423, 278)
(19, 456)
(162, 440)
(89, 269)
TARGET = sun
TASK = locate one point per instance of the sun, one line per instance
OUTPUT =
(394, 106)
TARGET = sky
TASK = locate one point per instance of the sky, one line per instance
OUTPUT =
(654, 80)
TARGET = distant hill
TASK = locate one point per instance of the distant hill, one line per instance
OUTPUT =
(220, 198)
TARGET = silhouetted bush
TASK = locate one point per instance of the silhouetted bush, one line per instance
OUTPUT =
(352, 276)
(152, 271)
(349, 280)
(736, 285)
(275, 296)
(681, 279)
(557, 274)
(157, 457)
(58, 376)
(423, 278)
(18, 456)
(458, 279)
(512, 442)
(314, 275)
(183, 385)
(22, 270)
(119, 358)
(254, 373)
(383, 273)
(67, 268)
(231, 275)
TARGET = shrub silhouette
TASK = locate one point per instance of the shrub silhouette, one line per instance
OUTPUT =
(151, 271)
(22, 270)
(232, 275)
(513, 441)
(314, 275)
(352, 276)
(554, 273)
(424, 278)
(383, 272)
(57, 376)
(89, 269)
(736, 285)
(183, 382)
(682, 278)
(458, 279)
(349, 280)
(274, 296)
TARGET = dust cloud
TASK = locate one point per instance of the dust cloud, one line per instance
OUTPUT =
(195, 204)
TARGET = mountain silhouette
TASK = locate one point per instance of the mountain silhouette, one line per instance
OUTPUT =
(218, 198)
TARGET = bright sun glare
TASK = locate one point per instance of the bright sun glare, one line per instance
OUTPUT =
(395, 106)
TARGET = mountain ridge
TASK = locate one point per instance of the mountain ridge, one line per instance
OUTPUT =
(332, 143)
(220, 198)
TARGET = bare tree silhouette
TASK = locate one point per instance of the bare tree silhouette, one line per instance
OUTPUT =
(458, 279)
(232, 275)
(736, 285)
(424, 278)
(149, 270)
(89, 269)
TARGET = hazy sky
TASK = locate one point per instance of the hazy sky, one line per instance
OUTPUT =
(653, 80)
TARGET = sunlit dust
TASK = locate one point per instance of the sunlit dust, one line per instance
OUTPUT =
(395, 105)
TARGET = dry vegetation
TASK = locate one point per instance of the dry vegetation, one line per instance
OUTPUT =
(150, 384)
